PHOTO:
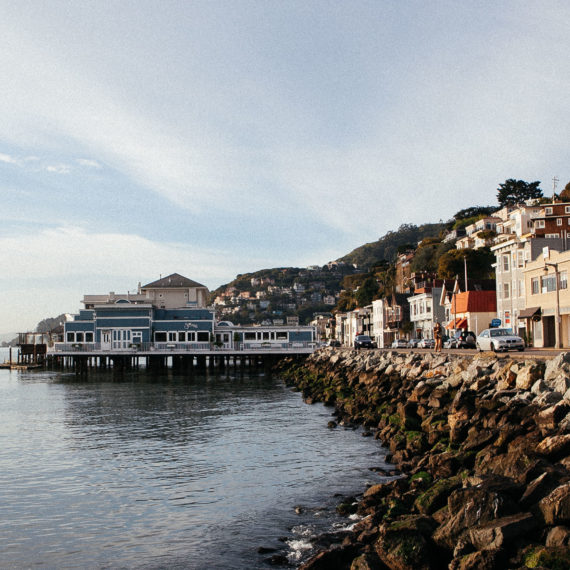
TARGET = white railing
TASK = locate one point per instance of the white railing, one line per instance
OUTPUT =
(180, 347)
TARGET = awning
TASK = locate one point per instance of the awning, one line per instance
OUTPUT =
(529, 313)
(459, 323)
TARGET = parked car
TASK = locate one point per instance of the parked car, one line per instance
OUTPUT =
(363, 341)
(333, 342)
(413, 343)
(426, 343)
(400, 343)
(461, 339)
(499, 340)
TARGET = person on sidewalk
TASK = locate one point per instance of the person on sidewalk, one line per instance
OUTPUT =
(438, 334)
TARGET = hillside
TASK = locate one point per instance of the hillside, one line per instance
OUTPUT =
(278, 293)
(282, 292)
(386, 247)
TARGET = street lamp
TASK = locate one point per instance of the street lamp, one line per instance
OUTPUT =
(557, 319)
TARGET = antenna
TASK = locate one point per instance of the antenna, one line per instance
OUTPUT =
(555, 181)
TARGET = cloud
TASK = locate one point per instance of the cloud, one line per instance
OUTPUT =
(89, 163)
(58, 168)
(69, 252)
(8, 159)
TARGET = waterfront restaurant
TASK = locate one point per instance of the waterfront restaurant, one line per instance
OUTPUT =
(169, 314)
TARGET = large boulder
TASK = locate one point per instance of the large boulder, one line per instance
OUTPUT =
(435, 497)
(495, 534)
(405, 544)
(555, 507)
(492, 498)
(554, 446)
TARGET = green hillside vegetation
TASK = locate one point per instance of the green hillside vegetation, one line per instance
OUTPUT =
(387, 246)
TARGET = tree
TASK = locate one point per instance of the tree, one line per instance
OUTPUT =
(513, 192)
(474, 211)
(479, 263)
(565, 194)
(367, 292)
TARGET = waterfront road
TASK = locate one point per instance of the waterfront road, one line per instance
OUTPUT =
(531, 352)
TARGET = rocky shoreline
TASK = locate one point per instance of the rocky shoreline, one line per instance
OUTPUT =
(483, 445)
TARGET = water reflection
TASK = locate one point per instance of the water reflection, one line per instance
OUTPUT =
(153, 471)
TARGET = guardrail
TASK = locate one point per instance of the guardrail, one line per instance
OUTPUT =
(181, 347)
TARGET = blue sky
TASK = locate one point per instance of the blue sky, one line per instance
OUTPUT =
(211, 138)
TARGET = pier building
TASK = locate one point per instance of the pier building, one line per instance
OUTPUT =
(169, 319)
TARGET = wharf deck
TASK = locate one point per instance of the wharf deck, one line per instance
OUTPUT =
(18, 366)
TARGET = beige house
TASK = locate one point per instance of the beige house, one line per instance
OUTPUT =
(545, 296)
(170, 292)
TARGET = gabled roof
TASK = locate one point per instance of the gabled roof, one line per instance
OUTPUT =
(474, 302)
(174, 281)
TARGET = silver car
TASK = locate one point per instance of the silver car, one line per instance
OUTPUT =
(499, 340)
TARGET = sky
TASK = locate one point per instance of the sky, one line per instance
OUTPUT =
(218, 137)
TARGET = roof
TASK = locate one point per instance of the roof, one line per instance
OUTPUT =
(174, 281)
(474, 302)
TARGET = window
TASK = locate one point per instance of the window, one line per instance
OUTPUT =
(265, 336)
(190, 336)
(548, 210)
(79, 337)
(563, 280)
(505, 262)
(558, 221)
(171, 337)
(506, 291)
(203, 336)
(181, 337)
(551, 236)
(249, 336)
(70, 337)
(534, 288)
(520, 258)
(548, 283)
(88, 337)
(539, 223)
(160, 337)
(281, 335)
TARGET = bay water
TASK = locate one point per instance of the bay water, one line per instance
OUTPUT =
(168, 470)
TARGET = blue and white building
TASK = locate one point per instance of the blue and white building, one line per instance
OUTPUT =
(171, 314)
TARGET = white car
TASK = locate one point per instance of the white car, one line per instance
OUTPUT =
(499, 340)
(400, 343)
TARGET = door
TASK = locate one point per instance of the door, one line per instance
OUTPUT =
(105, 340)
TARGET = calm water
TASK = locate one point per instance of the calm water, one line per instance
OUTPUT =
(146, 471)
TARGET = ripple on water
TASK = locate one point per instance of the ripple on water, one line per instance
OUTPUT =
(157, 471)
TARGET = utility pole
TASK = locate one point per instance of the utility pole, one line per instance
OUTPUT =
(465, 269)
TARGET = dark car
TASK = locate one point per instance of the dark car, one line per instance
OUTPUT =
(334, 343)
(363, 341)
(466, 339)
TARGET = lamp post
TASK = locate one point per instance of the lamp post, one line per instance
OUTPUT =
(557, 319)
